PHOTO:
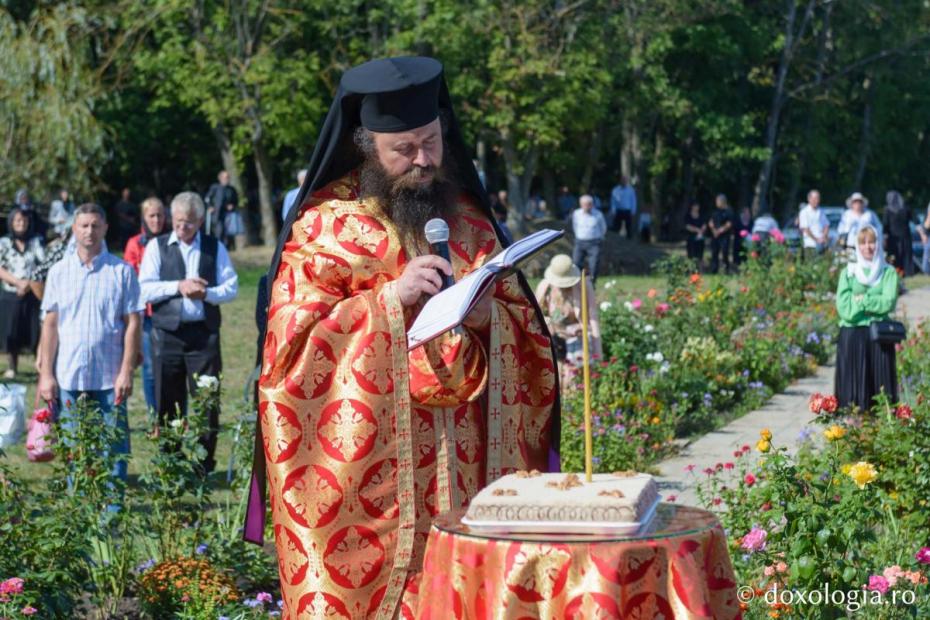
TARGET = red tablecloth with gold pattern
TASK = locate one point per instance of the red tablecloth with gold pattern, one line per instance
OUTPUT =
(679, 568)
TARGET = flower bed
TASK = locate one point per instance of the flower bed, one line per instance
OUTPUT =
(689, 359)
(848, 512)
(88, 545)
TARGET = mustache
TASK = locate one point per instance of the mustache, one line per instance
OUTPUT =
(413, 178)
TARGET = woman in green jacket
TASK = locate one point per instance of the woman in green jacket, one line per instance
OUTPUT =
(867, 292)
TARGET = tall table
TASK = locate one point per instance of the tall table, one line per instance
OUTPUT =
(678, 568)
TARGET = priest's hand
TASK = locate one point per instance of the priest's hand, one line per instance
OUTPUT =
(421, 275)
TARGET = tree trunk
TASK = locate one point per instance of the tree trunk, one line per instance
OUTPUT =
(266, 208)
(656, 204)
(629, 150)
(235, 179)
(865, 137)
(594, 156)
(520, 171)
(792, 37)
(823, 47)
(548, 190)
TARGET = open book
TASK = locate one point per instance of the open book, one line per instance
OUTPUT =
(448, 308)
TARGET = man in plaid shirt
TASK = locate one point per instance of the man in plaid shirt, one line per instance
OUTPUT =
(91, 332)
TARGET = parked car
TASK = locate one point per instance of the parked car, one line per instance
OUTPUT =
(793, 233)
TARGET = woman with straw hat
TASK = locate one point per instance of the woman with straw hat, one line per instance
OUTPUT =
(559, 295)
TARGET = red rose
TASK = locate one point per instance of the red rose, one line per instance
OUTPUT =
(728, 465)
(634, 368)
(904, 412)
(751, 480)
(816, 403)
(830, 404)
(766, 506)
(43, 415)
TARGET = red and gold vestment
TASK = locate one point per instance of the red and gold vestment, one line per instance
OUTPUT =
(365, 442)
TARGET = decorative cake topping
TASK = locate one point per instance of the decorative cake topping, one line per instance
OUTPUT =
(568, 482)
(522, 473)
(626, 473)
(614, 493)
(507, 492)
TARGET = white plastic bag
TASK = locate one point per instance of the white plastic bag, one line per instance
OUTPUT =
(12, 413)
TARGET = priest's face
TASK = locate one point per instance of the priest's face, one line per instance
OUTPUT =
(412, 155)
(407, 174)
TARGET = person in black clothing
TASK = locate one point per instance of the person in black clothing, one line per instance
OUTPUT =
(186, 276)
(127, 217)
(742, 228)
(221, 198)
(696, 225)
(896, 225)
(721, 229)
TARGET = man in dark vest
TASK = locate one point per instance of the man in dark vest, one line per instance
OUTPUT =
(186, 275)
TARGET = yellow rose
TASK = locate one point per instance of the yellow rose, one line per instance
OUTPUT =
(655, 420)
(862, 473)
(763, 446)
(765, 434)
(845, 468)
(834, 432)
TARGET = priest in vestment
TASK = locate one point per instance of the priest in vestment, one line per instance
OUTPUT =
(363, 441)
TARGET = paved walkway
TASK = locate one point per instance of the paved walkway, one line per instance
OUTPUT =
(786, 415)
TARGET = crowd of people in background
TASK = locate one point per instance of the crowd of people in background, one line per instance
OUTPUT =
(91, 317)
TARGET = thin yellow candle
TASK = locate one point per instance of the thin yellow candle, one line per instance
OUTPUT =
(588, 440)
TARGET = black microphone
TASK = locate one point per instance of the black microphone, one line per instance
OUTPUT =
(437, 235)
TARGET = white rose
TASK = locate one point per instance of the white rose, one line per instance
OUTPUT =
(605, 306)
(628, 306)
(207, 382)
(648, 328)
(176, 423)
(664, 368)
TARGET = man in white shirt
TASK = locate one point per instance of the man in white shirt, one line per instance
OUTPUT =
(589, 227)
(623, 206)
(291, 197)
(815, 228)
(91, 331)
(186, 276)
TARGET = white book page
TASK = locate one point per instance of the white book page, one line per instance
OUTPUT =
(447, 308)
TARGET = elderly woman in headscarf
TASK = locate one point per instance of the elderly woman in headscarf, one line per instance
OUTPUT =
(20, 254)
(867, 292)
(896, 221)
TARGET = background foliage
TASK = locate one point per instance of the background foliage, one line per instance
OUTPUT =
(759, 100)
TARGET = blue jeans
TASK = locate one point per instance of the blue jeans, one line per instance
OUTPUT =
(113, 415)
(925, 260)
(148, 374)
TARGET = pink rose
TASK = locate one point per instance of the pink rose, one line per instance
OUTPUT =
(923, 556)
(877, 583)
(264, 597)
(28, 610)
(777, 236)
(13, 585)
(756, 238)
(749, 479)
(754, 540)
(662, 308)
(743, 234)
(892, 573)
(636, 303)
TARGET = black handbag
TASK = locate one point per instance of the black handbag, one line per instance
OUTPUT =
(887, 332)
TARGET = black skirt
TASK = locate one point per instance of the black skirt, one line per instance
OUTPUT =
(863, 369)
(19, 322)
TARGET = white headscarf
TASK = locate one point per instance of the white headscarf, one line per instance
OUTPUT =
(875, 267)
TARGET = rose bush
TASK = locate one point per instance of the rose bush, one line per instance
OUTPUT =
(687, 360)
(848, 508)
